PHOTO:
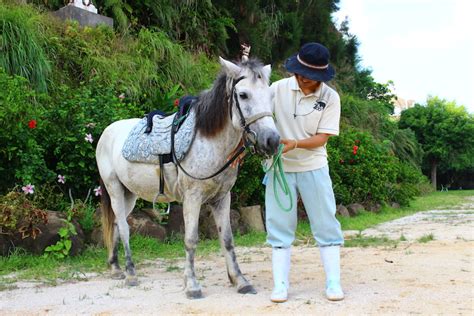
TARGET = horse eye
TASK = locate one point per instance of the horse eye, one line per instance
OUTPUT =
(243, 95)
(259, 77)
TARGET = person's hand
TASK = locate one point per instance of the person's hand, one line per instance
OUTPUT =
(239, 160)
(290, 144)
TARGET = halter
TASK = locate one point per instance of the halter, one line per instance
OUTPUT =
(249, 136)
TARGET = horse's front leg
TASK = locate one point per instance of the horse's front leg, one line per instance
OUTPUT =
(191, 209)
(221, 212)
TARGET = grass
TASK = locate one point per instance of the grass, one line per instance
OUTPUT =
(370, 241)
(426, 238)
(435, 200)
(23, 266)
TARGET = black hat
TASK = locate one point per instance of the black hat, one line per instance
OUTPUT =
(312, 62)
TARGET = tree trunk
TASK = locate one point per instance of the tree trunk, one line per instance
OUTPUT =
(434, 166)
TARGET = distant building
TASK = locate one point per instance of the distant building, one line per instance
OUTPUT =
(400, 105)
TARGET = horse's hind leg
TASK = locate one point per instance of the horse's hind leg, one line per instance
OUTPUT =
(191, 209)
(113, 256)
(124, 231)
(122, 202)
(221, 212)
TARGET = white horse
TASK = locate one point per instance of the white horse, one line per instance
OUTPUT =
(237, 107)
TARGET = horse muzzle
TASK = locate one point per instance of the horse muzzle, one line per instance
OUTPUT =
(268, 142)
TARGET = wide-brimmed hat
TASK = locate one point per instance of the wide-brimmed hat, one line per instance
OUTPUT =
(312, 62)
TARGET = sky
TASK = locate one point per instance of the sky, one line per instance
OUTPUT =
(426, 47)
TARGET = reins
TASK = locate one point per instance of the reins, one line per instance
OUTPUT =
(279, 175)
(248, 136)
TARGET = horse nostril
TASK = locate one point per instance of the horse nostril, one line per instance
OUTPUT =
(272, 143)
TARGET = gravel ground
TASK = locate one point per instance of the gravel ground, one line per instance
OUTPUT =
(412, 278)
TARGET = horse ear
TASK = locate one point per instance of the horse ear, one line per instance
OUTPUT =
(229, 67)
(267, 70)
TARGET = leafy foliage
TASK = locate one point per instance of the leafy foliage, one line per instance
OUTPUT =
(84, 212)
(143, 67)
(21, 154)
(199, 25)
(444, 131)
(61, 249)
(78, 113)
(18, 214)
(367, 171)
(248, 189)
(162, 52)
(22, 46)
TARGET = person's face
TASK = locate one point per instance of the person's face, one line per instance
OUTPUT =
(307, 84)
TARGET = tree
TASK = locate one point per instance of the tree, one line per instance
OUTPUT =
(444, 131)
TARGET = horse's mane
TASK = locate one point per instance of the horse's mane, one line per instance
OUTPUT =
(213, 108)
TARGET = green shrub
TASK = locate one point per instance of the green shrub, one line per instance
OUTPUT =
(18, 214)
(21, 154)
(22, 45)
(51, 195)
(143, 67)
(72, 128)
(84, 212)
(362, 174)
(248, 189)
(43, 137)
(365, 170)
(410, 183)
(61, 249)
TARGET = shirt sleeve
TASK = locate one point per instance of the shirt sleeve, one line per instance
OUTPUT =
(329, 123)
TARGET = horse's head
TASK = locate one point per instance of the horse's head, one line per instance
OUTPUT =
(251, 104)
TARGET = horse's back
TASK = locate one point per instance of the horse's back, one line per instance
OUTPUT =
(139, 178)
(111, 142)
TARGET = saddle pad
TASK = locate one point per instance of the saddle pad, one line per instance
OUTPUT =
(142, 147)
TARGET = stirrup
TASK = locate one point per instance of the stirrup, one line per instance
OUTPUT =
(167, 209)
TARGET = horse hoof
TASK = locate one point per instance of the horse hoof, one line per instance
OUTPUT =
(118, 275)
(194, 294)
(131, 281)
(247, 289)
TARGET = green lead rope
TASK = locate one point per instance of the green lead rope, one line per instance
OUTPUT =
(279, 175)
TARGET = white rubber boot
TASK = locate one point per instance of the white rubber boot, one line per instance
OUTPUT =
(281, 258)
(330, 257)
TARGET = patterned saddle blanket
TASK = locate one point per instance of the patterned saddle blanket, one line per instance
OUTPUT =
(142, 147)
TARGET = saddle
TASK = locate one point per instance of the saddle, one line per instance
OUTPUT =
(149, 141)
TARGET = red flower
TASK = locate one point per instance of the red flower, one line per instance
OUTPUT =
(341, 161)
(32, 124)
(176, 102)
(354, 150)
(351, 161)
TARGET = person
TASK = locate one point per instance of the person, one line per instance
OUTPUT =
(306, 112)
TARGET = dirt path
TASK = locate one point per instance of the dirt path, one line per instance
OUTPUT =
(413, 278)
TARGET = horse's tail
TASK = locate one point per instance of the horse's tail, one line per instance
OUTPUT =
(108, 216)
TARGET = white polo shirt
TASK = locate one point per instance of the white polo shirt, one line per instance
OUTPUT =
(299, 116)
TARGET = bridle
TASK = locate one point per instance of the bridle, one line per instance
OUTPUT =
(249, 136)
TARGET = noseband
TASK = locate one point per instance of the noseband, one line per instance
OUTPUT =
(249, 136)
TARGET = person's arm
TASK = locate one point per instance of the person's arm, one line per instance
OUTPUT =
(317, 140)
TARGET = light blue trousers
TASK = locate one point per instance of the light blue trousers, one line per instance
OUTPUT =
(315, 189)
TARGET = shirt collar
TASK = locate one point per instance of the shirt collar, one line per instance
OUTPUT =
(294, 86)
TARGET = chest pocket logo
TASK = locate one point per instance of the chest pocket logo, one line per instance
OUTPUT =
(319, 105)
